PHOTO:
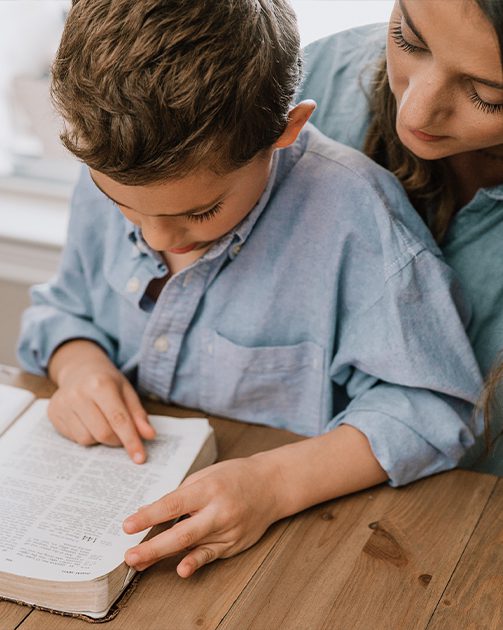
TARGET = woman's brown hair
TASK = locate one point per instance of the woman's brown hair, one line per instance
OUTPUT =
(428, 183)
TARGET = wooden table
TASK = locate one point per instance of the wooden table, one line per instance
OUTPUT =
(429, 555)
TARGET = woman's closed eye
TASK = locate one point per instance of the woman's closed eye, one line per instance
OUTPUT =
(481, 104)
(206, 215)
(399, 39)
(488, 108)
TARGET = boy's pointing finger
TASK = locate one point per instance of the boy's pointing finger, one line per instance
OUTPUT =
(138, 413)
(124, 427)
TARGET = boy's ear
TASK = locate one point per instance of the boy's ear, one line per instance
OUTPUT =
(297, 118)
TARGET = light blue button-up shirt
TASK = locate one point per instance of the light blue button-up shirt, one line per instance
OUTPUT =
(339, 71)
(327, 304)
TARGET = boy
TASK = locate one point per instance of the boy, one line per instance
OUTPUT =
(224, 255)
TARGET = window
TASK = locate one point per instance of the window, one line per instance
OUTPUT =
(29, 147)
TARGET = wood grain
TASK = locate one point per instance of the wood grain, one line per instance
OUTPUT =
(164, 601)
(40, 386)
(11, 615)
(377, 560)
(473, 599)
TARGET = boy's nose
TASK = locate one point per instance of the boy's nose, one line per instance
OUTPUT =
(159, 238)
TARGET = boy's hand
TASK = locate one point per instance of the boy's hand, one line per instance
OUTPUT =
(95, 403)
(230, 506)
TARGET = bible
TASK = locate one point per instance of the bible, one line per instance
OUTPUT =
(62, 505)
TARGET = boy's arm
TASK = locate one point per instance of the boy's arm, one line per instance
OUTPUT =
(59, 336)
(62, 309)
(337, 463)
(232, 503)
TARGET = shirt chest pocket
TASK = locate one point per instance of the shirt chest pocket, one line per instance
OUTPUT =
(281, 386)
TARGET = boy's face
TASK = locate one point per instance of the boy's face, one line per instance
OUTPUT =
(187, 215)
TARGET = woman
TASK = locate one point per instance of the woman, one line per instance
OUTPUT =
(426, 102)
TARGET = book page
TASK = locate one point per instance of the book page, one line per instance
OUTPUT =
(13, 401)
(62, 504)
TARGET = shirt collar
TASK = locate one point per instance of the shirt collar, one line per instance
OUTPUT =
(480, 203)
(496, 192)
(243, 229)
(236, 236)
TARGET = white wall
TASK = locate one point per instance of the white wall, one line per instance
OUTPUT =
(318, 18)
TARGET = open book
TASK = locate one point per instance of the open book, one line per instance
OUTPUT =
(62, 505)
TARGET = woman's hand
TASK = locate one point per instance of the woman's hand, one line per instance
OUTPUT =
(229, 506)
(95, 403)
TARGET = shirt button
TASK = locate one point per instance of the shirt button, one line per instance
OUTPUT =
(133, 284)
(236, 249)
(161, 344)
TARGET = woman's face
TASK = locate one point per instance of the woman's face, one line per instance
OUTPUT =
(445, 71)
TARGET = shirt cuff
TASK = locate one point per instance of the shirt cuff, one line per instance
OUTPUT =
(44, 329)
(410, 447)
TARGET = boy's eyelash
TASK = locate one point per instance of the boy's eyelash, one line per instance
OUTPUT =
(401, 42)
(205, 216)
(488, 108)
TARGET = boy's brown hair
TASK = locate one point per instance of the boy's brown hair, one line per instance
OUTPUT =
(153, 89)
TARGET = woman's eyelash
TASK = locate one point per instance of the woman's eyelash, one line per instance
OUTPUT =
(488, 108)
(205, 216)
(401, 42)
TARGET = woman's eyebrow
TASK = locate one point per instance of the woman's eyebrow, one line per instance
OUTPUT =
(488, 82)
(494, 84)
(410, 23)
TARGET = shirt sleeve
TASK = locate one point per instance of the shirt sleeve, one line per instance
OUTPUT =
(337, 73)
(61, 309)
(412, 401)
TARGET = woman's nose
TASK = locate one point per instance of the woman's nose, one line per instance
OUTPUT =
(426, 103)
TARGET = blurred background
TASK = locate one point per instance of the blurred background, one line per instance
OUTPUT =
(36, 174)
